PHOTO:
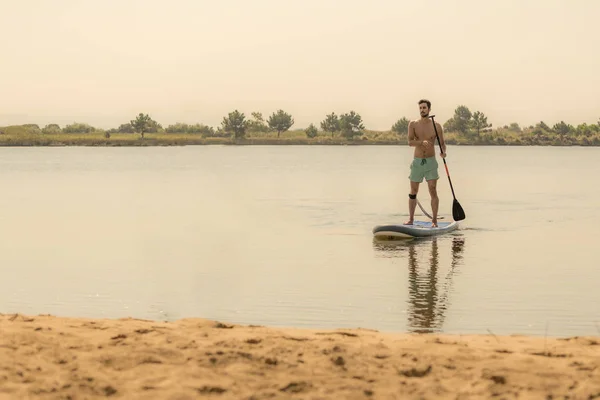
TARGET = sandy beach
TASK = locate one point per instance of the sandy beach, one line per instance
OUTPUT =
(76, 358)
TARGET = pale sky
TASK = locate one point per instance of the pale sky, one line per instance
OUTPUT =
(193, 61)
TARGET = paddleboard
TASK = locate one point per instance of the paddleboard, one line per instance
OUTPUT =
(417, 229)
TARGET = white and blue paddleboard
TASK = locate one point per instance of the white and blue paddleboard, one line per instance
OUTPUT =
(417, 229)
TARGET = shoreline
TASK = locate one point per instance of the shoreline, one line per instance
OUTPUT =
(256, 142)
(44, 356)
(21, 136)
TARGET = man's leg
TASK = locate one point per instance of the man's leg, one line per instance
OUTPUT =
(435, 201)
(412, 202)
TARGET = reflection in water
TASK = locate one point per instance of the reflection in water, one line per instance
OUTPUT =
(427, 300)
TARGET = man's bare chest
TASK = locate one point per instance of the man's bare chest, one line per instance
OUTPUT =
(424, 132)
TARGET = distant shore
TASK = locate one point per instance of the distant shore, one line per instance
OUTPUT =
(57, 357)
(21, 136)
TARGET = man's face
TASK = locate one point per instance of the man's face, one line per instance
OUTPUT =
(423, 109)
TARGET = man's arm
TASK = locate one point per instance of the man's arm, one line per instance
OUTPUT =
(412, 138)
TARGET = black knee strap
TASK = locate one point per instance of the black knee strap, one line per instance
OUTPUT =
(412, 196)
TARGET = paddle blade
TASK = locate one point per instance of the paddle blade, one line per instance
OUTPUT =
(457, 211)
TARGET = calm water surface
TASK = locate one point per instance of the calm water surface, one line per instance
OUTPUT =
(282, 236)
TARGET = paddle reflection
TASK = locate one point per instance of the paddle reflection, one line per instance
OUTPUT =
(427, 293)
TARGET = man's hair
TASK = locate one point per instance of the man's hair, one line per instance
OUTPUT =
(426, 102)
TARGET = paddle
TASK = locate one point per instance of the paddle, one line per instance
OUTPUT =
(457, 211)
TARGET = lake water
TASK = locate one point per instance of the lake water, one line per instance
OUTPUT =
(281, 236)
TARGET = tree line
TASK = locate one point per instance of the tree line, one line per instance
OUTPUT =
(473, 124)
(349, 125)
(235, 124)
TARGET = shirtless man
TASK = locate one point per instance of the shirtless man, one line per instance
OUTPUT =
(421, 136)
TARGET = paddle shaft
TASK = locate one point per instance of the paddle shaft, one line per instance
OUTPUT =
(443, 158)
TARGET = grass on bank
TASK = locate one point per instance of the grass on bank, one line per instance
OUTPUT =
(27, 135)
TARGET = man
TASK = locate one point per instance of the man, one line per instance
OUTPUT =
(421, 136)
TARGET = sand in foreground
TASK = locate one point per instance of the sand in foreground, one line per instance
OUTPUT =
(76, 358)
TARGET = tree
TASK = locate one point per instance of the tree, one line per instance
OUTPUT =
(154, 127)
(185, 128)
(202, 129)
(280, 121)
(462, 119)
(331, 123)
(351, 125)
(584, 130)
(311, 131)
(449, 125)
(466, 122)
(479, 121)
(235, 123)
(257, 123)
(78, 127)
(541, 128)
(141, 124)
(544, 126)
(51, 129)
(125, 128)
(514, 126)
(562, 128)
(178, 127)
(401, 126)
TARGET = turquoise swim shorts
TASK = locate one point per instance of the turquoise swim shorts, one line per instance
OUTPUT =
(423, 168)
